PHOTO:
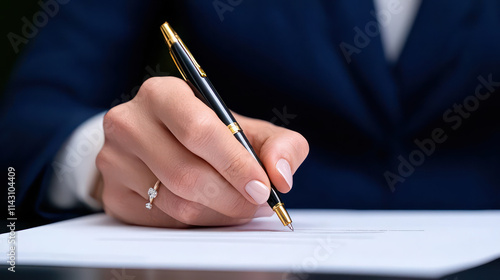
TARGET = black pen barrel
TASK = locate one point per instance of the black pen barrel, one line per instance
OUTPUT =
(202, 85)
(197, 79)
(204, 89)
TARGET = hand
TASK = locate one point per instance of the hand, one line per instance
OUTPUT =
(207, 177)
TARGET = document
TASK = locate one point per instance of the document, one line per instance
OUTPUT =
(396, 243)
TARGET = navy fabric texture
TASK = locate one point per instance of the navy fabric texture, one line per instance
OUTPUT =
(421, 133)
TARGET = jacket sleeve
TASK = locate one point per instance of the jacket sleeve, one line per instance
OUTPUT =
(75, 66)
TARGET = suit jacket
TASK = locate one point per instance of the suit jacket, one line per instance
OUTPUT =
(421, 133)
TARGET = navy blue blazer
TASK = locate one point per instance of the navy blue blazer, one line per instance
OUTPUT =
(422, 133)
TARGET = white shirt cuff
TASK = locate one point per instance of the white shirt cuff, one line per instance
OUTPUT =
(75, 172)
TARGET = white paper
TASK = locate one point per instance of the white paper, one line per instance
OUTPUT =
(399, 243)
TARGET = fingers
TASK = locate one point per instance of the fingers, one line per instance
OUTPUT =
(192, 213)
(183, 173)
(122, 207)
(125, 197)
(281, 151)
(176, 213)
(190, 177)
(122, 202)
(207, 177)
(199, 129)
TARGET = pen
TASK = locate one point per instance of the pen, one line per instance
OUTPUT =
(194, 75)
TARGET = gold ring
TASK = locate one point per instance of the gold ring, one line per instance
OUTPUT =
(152, 193)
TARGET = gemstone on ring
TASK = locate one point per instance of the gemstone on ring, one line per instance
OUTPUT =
(152, 193)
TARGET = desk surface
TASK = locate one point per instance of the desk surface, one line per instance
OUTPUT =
(399, 244)
(488, 271)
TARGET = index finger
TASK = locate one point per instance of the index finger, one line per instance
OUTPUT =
(199, 129)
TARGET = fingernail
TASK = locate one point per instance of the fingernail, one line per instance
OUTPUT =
(258, 191)
(263, 211)
(285, 171)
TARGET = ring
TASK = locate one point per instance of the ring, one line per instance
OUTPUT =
(152, 193)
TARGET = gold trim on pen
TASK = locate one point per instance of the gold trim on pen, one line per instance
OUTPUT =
(169, 34)
(198, 67)
(183, 59)
(234, 127)
(171, 37)
(282, 214)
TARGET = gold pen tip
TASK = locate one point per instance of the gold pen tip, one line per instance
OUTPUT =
(290, 227)
(283, 215)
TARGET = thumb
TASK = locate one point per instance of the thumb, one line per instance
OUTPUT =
(281, 150)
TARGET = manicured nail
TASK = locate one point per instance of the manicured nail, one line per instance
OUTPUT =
(285, 171)
(263, 211)
(258, 191)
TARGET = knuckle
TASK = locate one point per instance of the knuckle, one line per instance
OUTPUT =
(190, 212)
(292, 146)
(236, 166)
(150, 85)
(185, 180)
(149, 92)
(115, 121)
(154, 88)
(120, 125)
(108, 122)
(240, 209)
(300, 145)
(197, 130)
(206, 192)
(178, 84)
(102, 160)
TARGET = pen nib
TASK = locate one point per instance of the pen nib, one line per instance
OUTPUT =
(290, 226)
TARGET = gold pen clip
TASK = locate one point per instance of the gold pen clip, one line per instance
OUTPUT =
(171, 37)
